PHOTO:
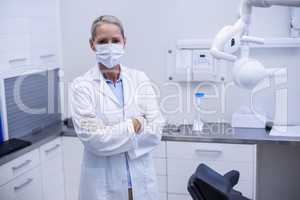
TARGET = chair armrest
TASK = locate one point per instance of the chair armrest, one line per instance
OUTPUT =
(233, 177)
(193, 189)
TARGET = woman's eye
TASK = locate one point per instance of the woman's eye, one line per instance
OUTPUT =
(116, 41)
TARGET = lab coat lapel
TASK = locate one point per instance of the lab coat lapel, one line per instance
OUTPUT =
(103, 87)
(127, 87)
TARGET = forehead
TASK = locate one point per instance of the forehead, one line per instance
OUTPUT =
(107, 30)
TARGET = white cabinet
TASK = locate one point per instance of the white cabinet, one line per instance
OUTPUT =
(36, 175)
(27, 186)
(52, 170)
(184, 157)
(73, 151)
(160, 164)
(174, 163)
(26, 45)
(24, 187)
(18, 166)
(72, 155)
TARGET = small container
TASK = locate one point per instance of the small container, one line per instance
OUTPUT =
(198, 123)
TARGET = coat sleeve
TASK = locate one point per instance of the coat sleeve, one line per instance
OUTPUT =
(153, 121)
(97, 138)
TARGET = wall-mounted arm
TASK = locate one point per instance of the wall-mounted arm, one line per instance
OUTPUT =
(228, 40)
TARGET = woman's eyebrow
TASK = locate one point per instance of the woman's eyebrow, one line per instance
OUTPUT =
(102, 39)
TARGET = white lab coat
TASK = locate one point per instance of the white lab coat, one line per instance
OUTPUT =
(104, 174)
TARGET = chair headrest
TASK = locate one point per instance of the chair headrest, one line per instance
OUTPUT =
(213, 178)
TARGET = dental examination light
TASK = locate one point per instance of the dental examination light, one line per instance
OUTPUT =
(232, 44)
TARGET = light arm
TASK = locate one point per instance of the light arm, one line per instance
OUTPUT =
(228, 40)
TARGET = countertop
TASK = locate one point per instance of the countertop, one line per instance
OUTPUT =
(212, 132)
(224, 133)
(37, 139)
(216, 133)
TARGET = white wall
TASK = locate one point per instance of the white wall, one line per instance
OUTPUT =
(152, 27)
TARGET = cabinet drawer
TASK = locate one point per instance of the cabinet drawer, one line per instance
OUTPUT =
(187, 167)
(160, 166)
(26, 186)
(183, 159)
(211, 151)
(53, 179)
(72, 156)
(160, 151)
(51, 150)
(18, 166)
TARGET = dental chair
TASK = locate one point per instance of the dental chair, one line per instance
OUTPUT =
(207, 184)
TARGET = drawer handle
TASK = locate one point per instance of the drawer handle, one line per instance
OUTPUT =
(23, 184)
(46, 56)
(52, 148)
(21, 165)
(216, 151)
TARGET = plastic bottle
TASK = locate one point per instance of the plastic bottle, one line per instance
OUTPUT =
(198, 123)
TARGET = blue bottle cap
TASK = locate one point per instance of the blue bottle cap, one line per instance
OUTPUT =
(199, 94)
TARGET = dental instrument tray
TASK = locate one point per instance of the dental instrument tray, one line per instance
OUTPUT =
(12, 145)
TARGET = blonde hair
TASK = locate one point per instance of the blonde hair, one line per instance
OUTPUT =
(108, 19)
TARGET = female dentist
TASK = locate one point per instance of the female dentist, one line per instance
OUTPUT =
(117, 118)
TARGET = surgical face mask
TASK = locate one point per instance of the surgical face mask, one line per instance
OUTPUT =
(109, 54)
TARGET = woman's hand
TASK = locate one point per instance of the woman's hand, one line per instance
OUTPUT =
(137, 124)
